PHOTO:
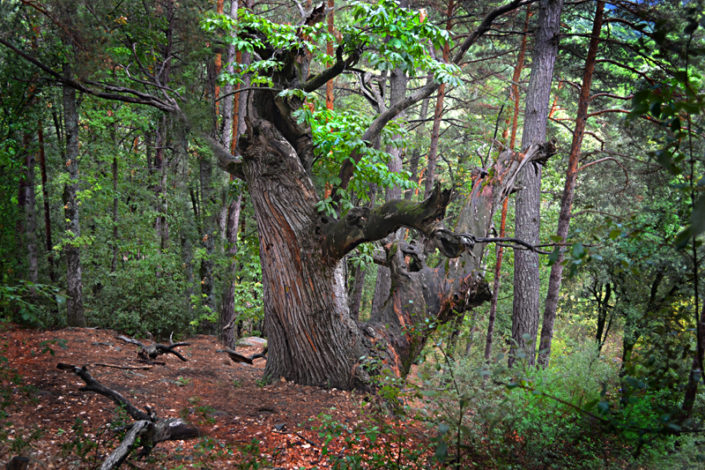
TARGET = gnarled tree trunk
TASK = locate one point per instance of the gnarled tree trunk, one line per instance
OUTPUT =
(313, 338)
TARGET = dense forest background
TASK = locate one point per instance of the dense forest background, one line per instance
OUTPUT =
(116, 214)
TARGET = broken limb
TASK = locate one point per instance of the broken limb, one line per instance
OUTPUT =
(151, 352)
(150, 429)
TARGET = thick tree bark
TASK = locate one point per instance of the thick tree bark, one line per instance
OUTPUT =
(311, 337)
(74, 291)
(554, 281)
(525, 317)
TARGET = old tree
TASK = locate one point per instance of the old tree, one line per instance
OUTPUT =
(306, 229)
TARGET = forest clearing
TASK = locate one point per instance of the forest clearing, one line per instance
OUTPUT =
(458, 233)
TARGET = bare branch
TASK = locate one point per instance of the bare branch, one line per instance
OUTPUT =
(602, 160)
(151, 352)
(125, 95)
(339, 67)
(362, 224)
(93, 385)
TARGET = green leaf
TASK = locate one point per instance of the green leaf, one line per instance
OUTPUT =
(603, 406)
(683, 238)
(578, 250)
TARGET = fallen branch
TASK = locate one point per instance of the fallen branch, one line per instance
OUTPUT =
(151, 352)
(237, 357)
(147, 427)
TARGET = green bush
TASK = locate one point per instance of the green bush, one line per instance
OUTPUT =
(145, 295)
(30, 304)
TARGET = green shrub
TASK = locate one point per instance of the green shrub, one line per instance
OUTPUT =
(578, 413)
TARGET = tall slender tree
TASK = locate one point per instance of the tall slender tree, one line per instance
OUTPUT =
(74, 277)
(525, 315)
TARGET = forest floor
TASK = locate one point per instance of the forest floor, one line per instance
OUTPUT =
(245, 423)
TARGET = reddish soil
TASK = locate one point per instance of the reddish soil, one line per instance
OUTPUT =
(245, 423)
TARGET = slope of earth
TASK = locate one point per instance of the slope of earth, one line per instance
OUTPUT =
(245, 423)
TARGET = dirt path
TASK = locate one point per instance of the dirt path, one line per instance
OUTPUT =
(246, 424)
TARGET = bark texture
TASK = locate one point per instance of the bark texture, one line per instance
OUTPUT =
(525, 317)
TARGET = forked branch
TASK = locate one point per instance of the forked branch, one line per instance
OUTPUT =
(151, 352)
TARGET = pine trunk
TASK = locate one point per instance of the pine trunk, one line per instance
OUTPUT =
(525, 316)
(499, 251)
